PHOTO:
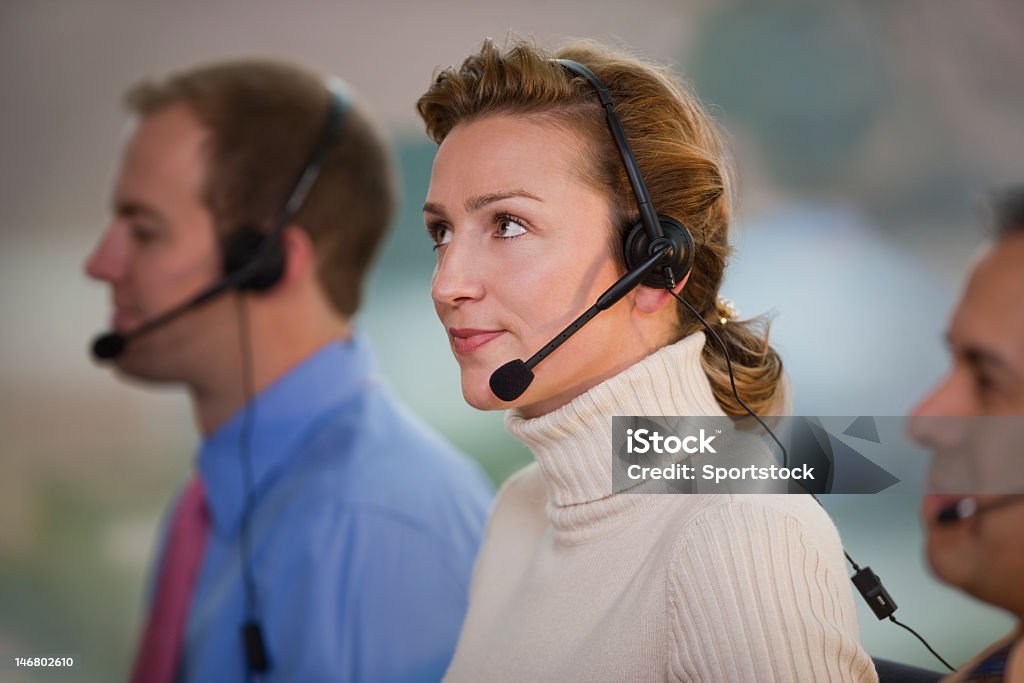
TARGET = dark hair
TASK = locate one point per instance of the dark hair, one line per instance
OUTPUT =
(264, 117)
(678, 149)
(1007, 207)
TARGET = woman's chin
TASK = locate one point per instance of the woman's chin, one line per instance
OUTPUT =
(477, 393)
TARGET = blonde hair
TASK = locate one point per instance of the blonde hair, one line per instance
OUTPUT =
(678, 149)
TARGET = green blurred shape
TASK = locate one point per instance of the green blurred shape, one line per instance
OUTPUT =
(799, 76)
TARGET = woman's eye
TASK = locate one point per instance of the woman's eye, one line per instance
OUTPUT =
(442, 235)
(509, 227)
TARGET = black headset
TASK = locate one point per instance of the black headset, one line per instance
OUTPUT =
(256, 262)
(259, 257)
(253, 259)
(643, 241)
(653, 231)
(658, 252)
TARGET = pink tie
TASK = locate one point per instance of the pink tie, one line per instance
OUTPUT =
(160, 650)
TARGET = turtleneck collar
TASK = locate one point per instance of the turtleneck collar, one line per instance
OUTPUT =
(573, 444)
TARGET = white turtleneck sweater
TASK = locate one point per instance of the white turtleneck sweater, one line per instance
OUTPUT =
(574, 583)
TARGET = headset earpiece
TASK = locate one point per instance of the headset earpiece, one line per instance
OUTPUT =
(254, 251)
(635, 251)
(652, 227)
(260, 254)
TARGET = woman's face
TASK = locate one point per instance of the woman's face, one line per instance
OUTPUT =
(523, 249)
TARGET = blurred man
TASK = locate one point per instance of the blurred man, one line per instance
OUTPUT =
(972, 422)
(326, 534)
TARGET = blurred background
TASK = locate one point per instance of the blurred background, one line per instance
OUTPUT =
(865, 135)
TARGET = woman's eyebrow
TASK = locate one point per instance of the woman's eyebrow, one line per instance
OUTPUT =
(435, 208)
(480, 201)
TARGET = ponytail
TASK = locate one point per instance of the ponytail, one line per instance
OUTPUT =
(756, 366)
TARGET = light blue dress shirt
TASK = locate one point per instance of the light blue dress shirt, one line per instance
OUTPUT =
(364, 529)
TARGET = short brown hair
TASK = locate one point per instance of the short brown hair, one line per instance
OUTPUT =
(1007, 208)
(264, 118)
(678, 149)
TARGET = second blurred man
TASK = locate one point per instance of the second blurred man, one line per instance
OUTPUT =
(973, 422)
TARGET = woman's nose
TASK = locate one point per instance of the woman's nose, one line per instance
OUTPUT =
(459, 275)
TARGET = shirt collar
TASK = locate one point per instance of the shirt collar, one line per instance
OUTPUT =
(280, 416)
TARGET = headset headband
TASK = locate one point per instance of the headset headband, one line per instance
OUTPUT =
(648, 215)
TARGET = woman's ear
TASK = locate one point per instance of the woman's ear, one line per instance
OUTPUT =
(650, 300)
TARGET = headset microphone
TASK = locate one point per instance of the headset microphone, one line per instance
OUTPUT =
(513, 378)
(108, 345)
(112, 344)
(965, 508)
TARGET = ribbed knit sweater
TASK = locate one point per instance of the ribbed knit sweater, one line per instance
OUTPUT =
(574, 583)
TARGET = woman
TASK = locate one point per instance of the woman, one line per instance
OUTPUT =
(528, 206)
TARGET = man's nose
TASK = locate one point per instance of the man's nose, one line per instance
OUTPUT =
(107, 260)
(938, 421)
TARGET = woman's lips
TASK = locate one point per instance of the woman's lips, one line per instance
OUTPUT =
(466, 340)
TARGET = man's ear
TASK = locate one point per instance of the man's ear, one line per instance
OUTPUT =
(299, 254)
(650, 300)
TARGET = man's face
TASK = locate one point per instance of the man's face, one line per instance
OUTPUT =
(160, 249)
(983, 454)
(986, 338)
